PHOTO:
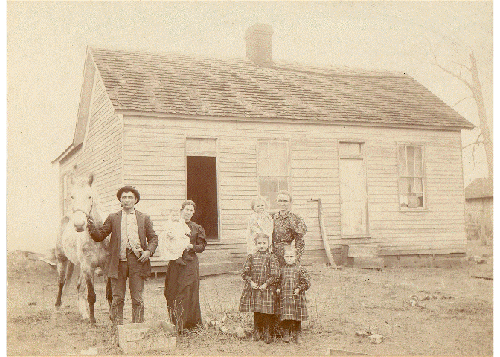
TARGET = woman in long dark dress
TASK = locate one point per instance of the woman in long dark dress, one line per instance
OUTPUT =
(182, 282)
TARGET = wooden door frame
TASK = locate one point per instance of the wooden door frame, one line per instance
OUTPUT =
(361, 157)
(217, 183)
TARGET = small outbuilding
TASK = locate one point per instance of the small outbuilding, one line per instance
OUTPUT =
(380, 150)
(479, 209)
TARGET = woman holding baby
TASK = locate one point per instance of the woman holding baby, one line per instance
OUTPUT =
(182, 281)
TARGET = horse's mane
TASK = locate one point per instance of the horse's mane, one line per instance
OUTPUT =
(96, 211)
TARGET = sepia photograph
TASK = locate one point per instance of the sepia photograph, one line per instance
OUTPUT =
(282, 178)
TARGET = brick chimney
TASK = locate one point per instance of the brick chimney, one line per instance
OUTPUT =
(259, 39)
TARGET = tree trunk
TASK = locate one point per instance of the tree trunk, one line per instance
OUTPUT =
(483, 122)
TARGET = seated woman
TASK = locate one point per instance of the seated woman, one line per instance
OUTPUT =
(259, 221)
(182, 282)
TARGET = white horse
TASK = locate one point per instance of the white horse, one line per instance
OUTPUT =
(75, 247)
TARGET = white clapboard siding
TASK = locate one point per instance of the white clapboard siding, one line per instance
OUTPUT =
(101, 151)
(155, 148)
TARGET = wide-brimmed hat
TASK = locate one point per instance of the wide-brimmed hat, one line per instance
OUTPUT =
(128, 189)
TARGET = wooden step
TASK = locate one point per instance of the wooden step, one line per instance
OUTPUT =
(367, 262)
(363, 250)
(206, 268)
(222, 267)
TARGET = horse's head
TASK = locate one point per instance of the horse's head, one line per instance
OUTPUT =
(82, 201)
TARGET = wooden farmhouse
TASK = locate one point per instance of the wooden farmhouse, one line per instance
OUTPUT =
(380, 150)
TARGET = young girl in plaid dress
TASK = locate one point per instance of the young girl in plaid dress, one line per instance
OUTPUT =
(293, 283)
(260, 273)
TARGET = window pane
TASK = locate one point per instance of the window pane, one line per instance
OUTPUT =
(273, 158)
(282, 159)
(418, 185)
(411, 187)
(278, 155)
(402, 160)
(403, 200)
(262, 151)
(264, 186)
(411, 160)
(282, 184)
(269, 189)
(263, 159)
(418, 161)
(264, 167)
(404, 186)
(414, 201)
(272, 169)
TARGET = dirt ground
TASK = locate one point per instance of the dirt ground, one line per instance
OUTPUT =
(418, 311)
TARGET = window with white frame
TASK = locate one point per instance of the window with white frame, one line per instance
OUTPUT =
(272, 167)
(411, 176)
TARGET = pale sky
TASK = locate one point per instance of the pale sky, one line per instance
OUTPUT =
(47, 42)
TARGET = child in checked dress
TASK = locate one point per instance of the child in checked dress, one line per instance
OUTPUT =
(260, 273)
(292, 285)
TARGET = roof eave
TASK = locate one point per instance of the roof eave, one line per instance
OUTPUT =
(70, 150)
(129, 112)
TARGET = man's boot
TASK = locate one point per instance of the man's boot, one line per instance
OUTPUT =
(137, 313)
(116, 315)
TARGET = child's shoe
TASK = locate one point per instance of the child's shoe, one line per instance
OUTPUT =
(286, 336)
(180, 261)
(297, 338)
(267, 335)
(256, 335)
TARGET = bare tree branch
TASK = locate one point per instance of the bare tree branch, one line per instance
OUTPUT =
(462, 65)
(474, 144)
(461, 100)
(446, 70)
(460, 78)
(474, 156)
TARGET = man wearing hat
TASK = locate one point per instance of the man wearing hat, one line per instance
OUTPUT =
(133, 241)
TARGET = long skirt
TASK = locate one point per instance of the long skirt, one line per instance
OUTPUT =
(182, 291)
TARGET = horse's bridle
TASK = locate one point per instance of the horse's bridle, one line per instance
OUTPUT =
(85, 213)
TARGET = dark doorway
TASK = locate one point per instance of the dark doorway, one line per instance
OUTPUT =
(202, 189)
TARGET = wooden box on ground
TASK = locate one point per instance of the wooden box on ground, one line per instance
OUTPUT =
(151, 336)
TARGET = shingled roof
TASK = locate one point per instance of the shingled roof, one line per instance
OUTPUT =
(192, 86)
(479, 188)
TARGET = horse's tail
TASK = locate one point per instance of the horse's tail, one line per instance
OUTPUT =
(64, 266)
(65, 269)
(59, 254)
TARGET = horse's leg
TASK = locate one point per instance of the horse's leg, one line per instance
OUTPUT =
(109, 294)
(69, 272)
(91, 296)
(61, 272)
(83, 306)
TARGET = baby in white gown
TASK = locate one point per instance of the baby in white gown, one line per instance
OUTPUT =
(177, 239)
